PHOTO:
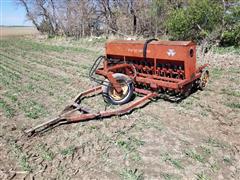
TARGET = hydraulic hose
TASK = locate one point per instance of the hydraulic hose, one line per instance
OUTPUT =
(145, 48)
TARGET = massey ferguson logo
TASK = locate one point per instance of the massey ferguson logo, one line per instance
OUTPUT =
(171, 52)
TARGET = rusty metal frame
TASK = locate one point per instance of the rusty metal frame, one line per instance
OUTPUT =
(160, 82)
(69, 116)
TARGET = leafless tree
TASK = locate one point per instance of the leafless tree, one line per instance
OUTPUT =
(93, 17)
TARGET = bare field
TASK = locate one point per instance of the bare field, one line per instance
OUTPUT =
(197, 138)
(17, 31)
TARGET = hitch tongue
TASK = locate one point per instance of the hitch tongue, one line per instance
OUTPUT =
(43, 126)
(76, 112)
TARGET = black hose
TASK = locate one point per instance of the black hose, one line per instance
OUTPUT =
(145, 48)
(97, 63)
(95, 66)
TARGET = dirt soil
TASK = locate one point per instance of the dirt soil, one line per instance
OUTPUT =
(197, 138)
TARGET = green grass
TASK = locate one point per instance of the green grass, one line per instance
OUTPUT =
(92, 128)
(188, 103)
(206, 151)
(130, 147)
(8, 78)
(176, 163)
(216, 72)
(130, 144)
(28, 60)
(21, 157)
(214, 166)
(229, 92)
(129, 174)
(36, 46)
(195, 156)
(33, 109)
(225, 50)
(68, 151)
(12, 96)
(227, 160)
(215, 143)
(168, 176)
(7, 109)
(202, 176)
(233, 105)
(35, 76)
(46, 153)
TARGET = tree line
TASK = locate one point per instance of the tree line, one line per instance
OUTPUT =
(198, 20)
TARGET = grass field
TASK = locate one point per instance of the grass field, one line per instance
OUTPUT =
(197, 138)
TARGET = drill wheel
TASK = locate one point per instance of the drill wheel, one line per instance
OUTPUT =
(204, 79)
(111, 96)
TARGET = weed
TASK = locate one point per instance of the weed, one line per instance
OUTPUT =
(21, 157)
(214, 167)
(227, 160)
(234, 79)
(203, 113)
(194, 155)
(135, 156)
(61, 169)
(124, 145)
(216, 143)
(175, 162)
(7, 109)
(158, 126)
(130, 146)
(24, 163)
(119, 131)
(11, 96)
(93, 127)
(230, 92)
(129, 174)
(31, 88)
(45, 152)
(51, 93)
(233, 105)
(206, 150)
(168, 176)
(234, 70)
(217, 72)
(68, 151)
(202, 176)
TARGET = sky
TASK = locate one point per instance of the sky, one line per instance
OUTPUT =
(12, 14)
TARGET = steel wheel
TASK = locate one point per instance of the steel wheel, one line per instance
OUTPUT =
(204, 79)
(112, 96)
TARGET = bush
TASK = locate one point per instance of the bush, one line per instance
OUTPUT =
(194, 21)
(231, 37)
(231, 34)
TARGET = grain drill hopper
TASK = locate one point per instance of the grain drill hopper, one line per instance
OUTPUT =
(148, 68)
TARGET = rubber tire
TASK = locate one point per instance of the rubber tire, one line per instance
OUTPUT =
(201, 87)
(106, 87)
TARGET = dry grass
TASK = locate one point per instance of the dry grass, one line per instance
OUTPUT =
(17, 31)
